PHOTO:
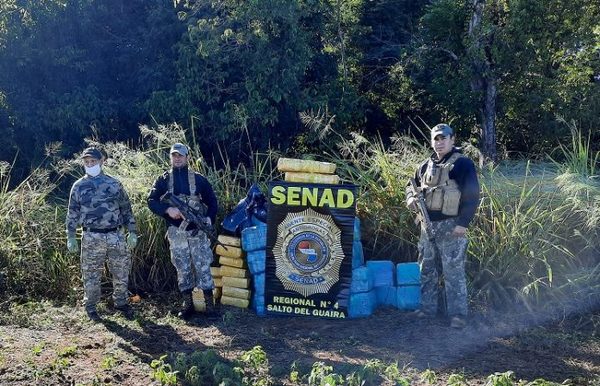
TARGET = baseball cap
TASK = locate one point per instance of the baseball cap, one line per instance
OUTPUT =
(92, 152)
(179, 148)
(441, 129)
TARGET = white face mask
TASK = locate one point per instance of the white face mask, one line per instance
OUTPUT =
(92, 171)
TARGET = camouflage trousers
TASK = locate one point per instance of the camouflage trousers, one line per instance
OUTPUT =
(452, 253)
(191, 256)
(96, 248)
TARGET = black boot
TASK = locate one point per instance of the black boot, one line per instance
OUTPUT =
(211, 308)
(187, 308)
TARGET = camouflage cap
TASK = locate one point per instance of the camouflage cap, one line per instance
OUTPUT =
(441, 129)
(179, 148)
(92, 152)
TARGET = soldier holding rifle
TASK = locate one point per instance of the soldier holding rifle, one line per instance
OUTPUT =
(191, 253)
(446, 193)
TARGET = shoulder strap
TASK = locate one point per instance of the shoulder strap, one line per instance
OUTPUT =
(192, 182)
(170, 189)
(453, 158)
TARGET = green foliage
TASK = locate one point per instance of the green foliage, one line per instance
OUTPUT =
(67, 352)
(242, 70)
(203, 368)
(429, 376)
(381, 175)
(33, 259)
(162, 371)
(579, 158)
(322, 375)
(108, 362)
(457, 380)
(254, 367)
(238, 73)
(393, 374)
(501, 379)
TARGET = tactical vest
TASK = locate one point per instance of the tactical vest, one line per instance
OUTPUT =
(441, 192)
(193, 200)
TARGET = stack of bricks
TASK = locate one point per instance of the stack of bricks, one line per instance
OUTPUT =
(234, 273)
(297, 170)
(198, 295)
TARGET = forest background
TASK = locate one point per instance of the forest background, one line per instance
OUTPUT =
(354, 82)
(239, 75)
(351, 82)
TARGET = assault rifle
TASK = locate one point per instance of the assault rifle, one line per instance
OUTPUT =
(192, 216)
(425, 220)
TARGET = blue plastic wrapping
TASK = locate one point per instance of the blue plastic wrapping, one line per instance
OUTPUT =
(408, 274)
(362, 280)
(256, 261)
(362, 304)
(382, 272)
(254, 238)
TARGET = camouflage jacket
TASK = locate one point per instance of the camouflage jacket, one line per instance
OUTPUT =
(100, 203)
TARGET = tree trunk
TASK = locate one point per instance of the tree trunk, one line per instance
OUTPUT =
(483, 81)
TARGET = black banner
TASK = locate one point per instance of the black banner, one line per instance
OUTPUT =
(309, 249)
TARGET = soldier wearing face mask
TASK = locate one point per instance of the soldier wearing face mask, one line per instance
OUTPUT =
(99, 204)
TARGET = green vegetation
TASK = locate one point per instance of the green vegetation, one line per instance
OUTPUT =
(534, 238)
(238, 74)
(207, 368)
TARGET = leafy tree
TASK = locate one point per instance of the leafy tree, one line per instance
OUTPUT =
(77, 68)
(249, 67)
(515, 64)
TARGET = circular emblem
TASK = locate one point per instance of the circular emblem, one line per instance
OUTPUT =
(308, 252)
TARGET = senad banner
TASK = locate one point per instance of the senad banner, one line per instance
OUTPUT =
(309, 249)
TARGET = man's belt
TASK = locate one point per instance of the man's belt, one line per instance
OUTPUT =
(105, 230)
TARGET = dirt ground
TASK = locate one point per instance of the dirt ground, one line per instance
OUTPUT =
(47, 345)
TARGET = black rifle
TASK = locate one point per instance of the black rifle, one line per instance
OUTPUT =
(428, 227)
(192, 216)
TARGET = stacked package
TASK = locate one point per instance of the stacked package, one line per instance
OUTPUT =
(409, 286)
(363, 299)
(234, 276)
(198, 295)
(297, 170)
(381, 283)
(254, 241)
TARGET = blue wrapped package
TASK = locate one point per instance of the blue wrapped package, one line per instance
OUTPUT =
(256, 261)
(408, 274)
(409, 297)
(259, 284)
(254, 238)
(358, 257)
(382, 272)
(356, 229)
(362, 304)
(362, 280)
(386, 296)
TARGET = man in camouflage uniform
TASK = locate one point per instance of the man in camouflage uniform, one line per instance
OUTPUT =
(101, 206)
(191, 253)
(449, 183)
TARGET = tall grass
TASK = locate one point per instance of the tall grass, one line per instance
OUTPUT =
(535, 234)
(381, 175)
(521, 240)
(32, 256)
